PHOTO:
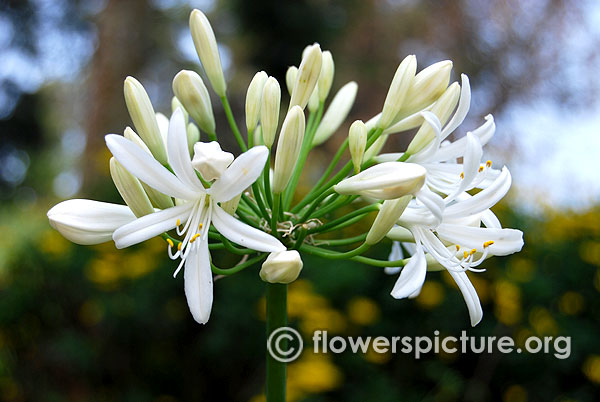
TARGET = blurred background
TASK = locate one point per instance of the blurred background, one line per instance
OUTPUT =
(93, 324)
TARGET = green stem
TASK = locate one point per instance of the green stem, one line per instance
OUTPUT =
(344, 219)
(334, 255)
(276, 318)
(239, 267)
(267, 180)
(233, 124)
(315, 204)
(342, 242)
(275, 213)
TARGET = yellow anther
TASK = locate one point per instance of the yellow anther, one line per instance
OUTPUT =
(194, 237)
(488, 243)
(178, 222)
(473, 251)
(462, 175)
(457, 247)
(480, 168)
(488, 163)
(170, 242)
(466, 254)
(179, 246)
(200, 226)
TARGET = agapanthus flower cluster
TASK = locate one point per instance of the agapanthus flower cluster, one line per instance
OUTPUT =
(432, 201)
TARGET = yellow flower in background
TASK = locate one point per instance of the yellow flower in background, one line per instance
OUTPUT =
(542, 321)
(571, 303)
(591, 368)
(363, 311)
(515, 393)
(312, 374)
(520, 269)
(432, 294)
(507, 299)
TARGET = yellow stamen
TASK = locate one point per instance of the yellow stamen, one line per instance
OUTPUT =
(178, 222)
(200, 226)
(488, 243)
(480, 168)
(170, 242)
(457, 247)
(488, 163)
(179, 246)
(466, 254)
(473, 252)
(194, 237)
(462, 175)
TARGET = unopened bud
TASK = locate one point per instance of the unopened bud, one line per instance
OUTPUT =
(192, 93)
(253, 99)
(143, 117)
(208, 51)
(290, 78)
(326, 76)
(210, 160)
(269, 111)
(396, 95)
(357, 142)
(427, 87)
(336, 112)
(313, 101)
(443, 109)
(281, 267)
(288, 148)
(385, 181)
(193, 135)
(306, 79)
(388, 214)
(130, 189)
(176, 103)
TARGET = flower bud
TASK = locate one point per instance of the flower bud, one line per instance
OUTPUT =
(208, 51)
(326, 76)
(281, 267)
(306, 79)
(385, 181)
(427, 86)
(130, 189)
(253, 99)
(443, 109)
(210, 160)
(176, 103)
(192, 93)
(288, 148)
(193, 135)
(396, 95)
(357, 142)
(143, 117)
(269, 111)
(290, 78)
(159, 199)
(336, 112)
(313, 101)
(163, 126)
(388, 214)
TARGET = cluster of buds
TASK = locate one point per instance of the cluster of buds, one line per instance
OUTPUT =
(179, 184)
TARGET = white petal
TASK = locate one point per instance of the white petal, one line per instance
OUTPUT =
(243, 234)
(432, 201)
(490, 220)
(463, 107)
(152, 225)
(146, 168)
(395, 255)
(471, 163)
(506, 241)
(412, 276)
(198, 282)
(179, 152)
(470, 295)
(456, 149)
(88, 222)
(483, 200)
(244, 171)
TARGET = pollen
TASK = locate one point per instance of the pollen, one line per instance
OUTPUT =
(488, 243)
(170, 242)
(457, 247)
(480, 168)
(179, 246)
(462, 175)
(488, 163)
(178, 222)
(473, 251)
(466, 254)
(200, 226)
(194, 237)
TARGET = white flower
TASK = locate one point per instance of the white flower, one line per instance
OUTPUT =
(197, 210)
(281, 267)
(210, 160)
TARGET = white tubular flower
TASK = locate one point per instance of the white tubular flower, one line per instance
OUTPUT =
(357, 143)
(326, 76)
(288, 148)
(306, 79)
(427, 87)
(131, 189)
(336, 112)
(88, 222)
(210, 160)
(396, 95)
(192, 93)
(281, 267)
(253, 99)
(193, 135)
(269, 111)
(388, 214)
(385, 181)
(313, 101)
(290, 78)
(208, 51)
(143, 117)
(199, 208)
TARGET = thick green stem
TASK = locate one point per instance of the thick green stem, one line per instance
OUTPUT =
(276, 318)
(233, 124)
